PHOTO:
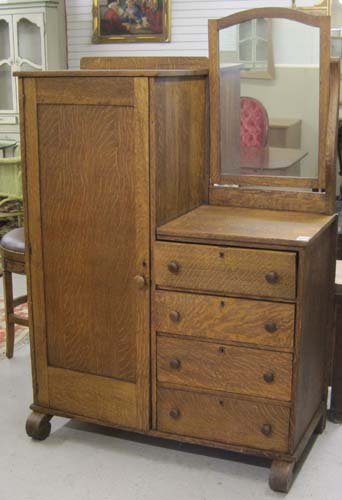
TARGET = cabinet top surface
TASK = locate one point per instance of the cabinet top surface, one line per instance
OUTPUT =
(111, 72)
(249, 225)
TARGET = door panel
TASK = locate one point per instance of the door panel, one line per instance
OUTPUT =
(94, 229)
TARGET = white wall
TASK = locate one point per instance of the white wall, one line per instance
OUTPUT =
(189, 28)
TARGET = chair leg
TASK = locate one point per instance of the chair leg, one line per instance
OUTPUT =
(9, 309)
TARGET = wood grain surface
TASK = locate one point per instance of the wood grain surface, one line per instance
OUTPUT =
(209, 222)
(314, 327)
(223, 419)
(83, 302)
(225, 319)
(233, 369)
(92, 216)
(95, 91)
(295, 201)
(143, 62)
(100, 398)
(179, 145)
(226, 269)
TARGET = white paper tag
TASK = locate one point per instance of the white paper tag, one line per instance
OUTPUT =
(303, 238)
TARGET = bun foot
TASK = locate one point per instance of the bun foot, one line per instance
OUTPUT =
(281, 475)
(38, 426)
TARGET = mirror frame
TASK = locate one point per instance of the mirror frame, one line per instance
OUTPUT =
(231, 182)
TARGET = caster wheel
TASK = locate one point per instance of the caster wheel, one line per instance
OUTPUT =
(38, 426)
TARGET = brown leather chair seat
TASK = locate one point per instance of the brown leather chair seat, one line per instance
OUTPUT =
(12, 251)
(14, 240)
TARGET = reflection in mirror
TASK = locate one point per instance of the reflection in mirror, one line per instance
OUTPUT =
(252, 47)
(273, 126)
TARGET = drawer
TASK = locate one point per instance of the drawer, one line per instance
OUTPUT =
(239, 271)
(212, 366)
(223, 419)
(225, 319)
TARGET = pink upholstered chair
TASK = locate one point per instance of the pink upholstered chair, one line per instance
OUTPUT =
(253, 123)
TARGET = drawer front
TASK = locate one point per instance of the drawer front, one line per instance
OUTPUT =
(212, 366)
(225, 319)
(239, 271)
(222, 419)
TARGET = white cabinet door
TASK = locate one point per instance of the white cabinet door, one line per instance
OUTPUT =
(7, 81)
(29, 42)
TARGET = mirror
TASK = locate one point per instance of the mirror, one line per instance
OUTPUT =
(271, 129)
(277, 130)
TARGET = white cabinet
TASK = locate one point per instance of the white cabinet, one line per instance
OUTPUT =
(32, 38)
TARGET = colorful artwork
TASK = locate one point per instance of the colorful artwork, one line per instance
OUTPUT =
(131, 21)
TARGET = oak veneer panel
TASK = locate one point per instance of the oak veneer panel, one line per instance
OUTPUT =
(210, 222)
(179, 145)
(33, 239)
(143, 62)
(91, 208)
(239, 370)
(225, 319)
(226, 269)
(315, 317)
(300, 201)
(223, 419)
(87, 90)
(87, 264)
(100, 398)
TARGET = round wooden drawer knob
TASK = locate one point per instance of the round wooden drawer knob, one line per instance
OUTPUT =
(175, 364)
(173, 267)
(266, 429)
(269, 377)
(272, 277)
(270, 326)
(175, 413)
(140, 281)
(175, 316)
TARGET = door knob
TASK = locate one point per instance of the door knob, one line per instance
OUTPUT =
(140, 281)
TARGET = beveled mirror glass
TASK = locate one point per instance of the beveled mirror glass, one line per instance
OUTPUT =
(273, 129)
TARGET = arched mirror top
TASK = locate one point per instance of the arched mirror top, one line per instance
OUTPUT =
(269, 99)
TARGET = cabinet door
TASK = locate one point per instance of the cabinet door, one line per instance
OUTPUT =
(88, 229)
(29, 42)
(7, 81)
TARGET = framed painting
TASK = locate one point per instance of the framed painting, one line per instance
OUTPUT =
(120, 21)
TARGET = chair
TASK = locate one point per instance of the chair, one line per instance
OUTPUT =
(12, 249)
(11, 189)
(254, 123)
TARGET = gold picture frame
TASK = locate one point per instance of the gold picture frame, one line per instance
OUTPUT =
(321, 7)
(131, 21)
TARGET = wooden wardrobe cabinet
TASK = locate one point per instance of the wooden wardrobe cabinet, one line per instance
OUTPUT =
(89, 141)
(152, 308)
